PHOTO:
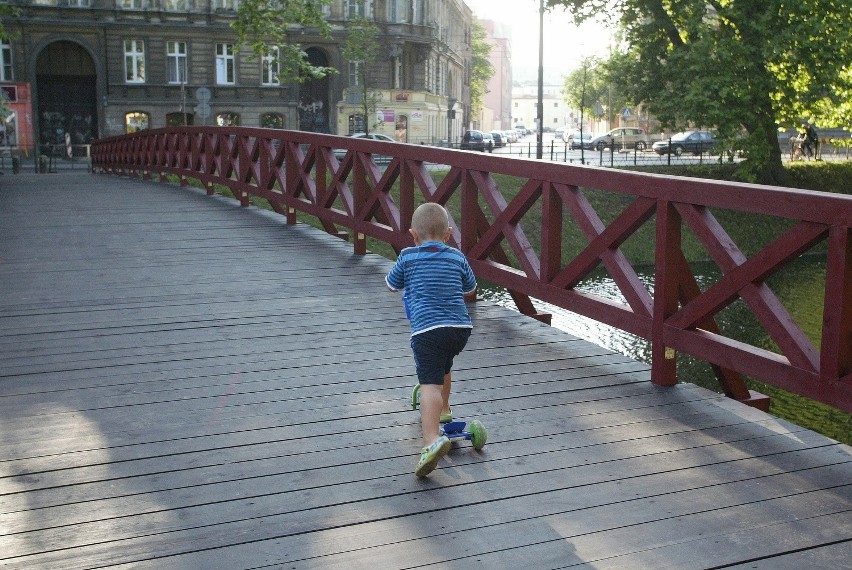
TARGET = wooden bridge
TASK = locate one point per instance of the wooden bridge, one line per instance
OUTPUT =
(186, 384)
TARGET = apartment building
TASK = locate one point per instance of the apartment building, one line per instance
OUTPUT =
(96, 68)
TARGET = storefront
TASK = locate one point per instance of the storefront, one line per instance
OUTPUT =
(16, 128)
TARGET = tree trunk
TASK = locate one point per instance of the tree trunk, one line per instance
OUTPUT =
(770, 168)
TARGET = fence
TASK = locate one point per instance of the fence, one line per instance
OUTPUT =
(337, 180)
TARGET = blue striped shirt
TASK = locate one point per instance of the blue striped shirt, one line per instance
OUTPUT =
(435, 278)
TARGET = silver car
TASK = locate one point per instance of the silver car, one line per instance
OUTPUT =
(622, 137)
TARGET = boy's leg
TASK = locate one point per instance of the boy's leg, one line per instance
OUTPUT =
(431, 401)
(445, 393)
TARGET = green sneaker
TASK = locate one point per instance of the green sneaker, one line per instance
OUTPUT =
(448, 417)
(429, 456)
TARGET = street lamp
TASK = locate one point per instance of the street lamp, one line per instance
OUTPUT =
(451, 114)
(540, 135)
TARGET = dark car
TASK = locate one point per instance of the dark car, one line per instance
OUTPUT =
(499, 139)
(696, 142)
(476, 140)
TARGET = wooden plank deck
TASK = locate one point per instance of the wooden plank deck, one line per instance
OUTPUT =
(186, 384)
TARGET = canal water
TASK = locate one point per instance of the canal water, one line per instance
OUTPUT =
(800, 287)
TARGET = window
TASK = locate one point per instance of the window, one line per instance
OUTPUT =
(225, 64)
(131, 4)
(360, 8)
(136, 121)
(79, 3)
(176, 5)
(179, 119)
(398, 11)
(228, 120)
(176, 61)
(5, 60)
(427, 72)
(354, 74)
(226, 4)
(417, 12)
(356, 124)
(272, 121)
(134, 61)
(46, 2)
(269, 68)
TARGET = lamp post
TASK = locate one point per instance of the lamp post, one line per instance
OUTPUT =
(451, 102)
(540, 115)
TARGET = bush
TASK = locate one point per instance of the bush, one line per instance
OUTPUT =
(822, 176)
(814, 175)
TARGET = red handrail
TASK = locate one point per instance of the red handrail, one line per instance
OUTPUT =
(298, 171)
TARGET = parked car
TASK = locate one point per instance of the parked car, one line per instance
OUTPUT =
(499, 139)
(489, 140)
(340, 153)
(476, 140)
(574, 141)
(622, 137)
(559, 133)
(696, 142)
(511, 136)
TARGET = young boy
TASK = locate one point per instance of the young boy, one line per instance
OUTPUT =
(435, 278)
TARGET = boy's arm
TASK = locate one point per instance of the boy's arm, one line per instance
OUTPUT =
(395, 280)
(469, 284)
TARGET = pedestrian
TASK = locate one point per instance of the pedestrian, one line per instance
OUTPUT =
(435, 279)
(811, 142)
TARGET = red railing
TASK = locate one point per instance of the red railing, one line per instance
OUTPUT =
(297, 171)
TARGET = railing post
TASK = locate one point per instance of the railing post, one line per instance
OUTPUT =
(360, 192)
(666, 292)
(836, 351)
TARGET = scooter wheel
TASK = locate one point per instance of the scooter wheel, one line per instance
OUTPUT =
(479, 435)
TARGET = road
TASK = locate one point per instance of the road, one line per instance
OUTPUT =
(557, 151)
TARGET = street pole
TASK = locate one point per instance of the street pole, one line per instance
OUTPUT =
(540, 135)
(451, 102)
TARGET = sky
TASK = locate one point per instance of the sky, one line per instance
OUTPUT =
(564, 44)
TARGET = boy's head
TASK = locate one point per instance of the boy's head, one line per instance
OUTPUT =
(430, 222)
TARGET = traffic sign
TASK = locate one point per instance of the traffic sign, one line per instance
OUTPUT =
(203, 110)
(203, 94)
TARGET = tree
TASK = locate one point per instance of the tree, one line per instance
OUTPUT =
(590, 89)
(360, 49)
(481, 70)
(742, 66)
(261, 23)
(6, 11)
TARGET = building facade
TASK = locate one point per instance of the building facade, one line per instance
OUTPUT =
(525, 107)
(97, 68)
(497, 104)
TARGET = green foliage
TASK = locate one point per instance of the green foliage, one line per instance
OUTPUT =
(263, 23)
(481, 70)
(821, 176)
(740, 66)
(6, 12)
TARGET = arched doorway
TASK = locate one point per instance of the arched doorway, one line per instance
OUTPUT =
(313, 97)
(66, 90)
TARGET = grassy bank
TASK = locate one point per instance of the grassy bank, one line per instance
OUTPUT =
(749, 232)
